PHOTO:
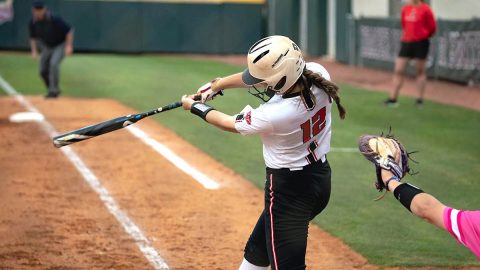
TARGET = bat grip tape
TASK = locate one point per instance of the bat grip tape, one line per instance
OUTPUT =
(201, 109)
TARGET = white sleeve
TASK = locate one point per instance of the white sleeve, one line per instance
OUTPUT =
(253, 121)
(317, 68)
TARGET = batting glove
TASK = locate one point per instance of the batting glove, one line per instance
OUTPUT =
(208, 91)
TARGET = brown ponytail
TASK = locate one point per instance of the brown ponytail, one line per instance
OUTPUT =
(329, 87)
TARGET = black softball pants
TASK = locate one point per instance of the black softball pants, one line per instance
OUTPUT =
(292, 200)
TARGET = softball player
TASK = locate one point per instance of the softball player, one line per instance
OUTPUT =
(295, 128)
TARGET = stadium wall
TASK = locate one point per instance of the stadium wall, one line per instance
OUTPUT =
(218, 27)
(370, 8)
(456, 10)
(285, 16)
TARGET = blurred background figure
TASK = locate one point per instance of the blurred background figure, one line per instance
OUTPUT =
(418, 25)
(55, 38)
(6, 11)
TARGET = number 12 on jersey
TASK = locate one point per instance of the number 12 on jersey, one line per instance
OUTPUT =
(313, 126)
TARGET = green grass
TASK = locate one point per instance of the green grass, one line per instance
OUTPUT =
(384, 232)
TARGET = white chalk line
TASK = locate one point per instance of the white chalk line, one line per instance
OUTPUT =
(177, 161)
(344, 149)
(128, 225)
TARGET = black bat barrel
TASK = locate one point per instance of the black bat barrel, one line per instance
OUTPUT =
(96, 129)
(107, 126)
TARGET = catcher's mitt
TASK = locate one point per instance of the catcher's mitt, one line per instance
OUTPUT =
(387, 153)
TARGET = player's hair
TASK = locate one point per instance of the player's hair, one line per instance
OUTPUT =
(329, 87)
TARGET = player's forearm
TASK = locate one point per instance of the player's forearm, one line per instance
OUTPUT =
(427, 207)
(209, 114)
(33, 45)
(69, 39)
(222, 121)
(423, 205)
(232, 81)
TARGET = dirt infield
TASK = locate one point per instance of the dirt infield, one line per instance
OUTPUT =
(51, 219)
(54, 220)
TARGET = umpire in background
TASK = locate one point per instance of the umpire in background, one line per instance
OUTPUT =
(55, 38)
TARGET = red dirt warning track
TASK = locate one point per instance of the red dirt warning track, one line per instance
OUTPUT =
(51, 219)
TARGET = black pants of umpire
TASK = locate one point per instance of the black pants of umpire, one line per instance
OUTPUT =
(292, 200)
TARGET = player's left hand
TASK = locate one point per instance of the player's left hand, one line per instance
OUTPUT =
(210, 90)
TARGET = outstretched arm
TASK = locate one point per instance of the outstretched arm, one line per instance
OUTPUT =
(229, 82)
(213, 88)
(216, 118)
(423, 205)
(69, 43)
(391, 161)
(33, 47)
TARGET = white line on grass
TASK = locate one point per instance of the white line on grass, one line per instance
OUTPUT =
(344, 149)
(128, 225)
(206, 182)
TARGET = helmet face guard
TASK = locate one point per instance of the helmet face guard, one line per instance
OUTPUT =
(264, 95)
(275, 61)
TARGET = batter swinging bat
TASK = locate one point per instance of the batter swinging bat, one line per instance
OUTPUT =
(108, 126)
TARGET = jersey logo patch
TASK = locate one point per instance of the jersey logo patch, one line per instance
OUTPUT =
(248, 118)
(239, 118)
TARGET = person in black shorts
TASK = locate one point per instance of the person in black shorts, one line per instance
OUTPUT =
(415, 50)
(418, 25)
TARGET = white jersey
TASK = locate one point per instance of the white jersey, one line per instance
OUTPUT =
(293, 133)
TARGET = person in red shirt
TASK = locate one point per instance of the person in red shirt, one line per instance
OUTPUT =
(418, 25)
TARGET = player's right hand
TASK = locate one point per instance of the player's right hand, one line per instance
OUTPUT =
(209, 91)
(68, 50)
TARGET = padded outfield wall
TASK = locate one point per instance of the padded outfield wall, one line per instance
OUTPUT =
(213, 27)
